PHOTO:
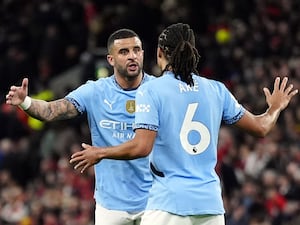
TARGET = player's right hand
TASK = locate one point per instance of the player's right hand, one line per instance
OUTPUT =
(17, 94)
(85, 158)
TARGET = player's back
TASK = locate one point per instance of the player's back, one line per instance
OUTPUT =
(184, 156)
(189, 114)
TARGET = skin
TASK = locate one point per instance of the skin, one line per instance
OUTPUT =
(125, 56)
(141, 145)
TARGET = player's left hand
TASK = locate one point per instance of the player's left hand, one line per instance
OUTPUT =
(85, 158)
(281, 95)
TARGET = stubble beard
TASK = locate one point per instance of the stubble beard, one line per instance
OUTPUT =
(129, 76)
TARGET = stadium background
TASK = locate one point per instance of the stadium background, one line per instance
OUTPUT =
(60, 44)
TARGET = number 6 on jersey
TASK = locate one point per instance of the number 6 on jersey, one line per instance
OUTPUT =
(189, 125)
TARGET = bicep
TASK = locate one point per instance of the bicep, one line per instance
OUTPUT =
(144, 139)
(63, 109)
(250, 123)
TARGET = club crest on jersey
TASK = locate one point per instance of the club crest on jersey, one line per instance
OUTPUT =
(130, 106)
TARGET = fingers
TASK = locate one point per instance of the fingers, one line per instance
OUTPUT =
(83, 164)
(15, 93)
(79, 160)
(11, 91)
(267, 92)
(8, 98)
(78, 165)
(76, 156)
(85, 146)
(289, 89)
(282, 94)
(276, 83)
(10, 95)
(84, 168)
(283, 83)
(282, 86)
(293, 93)
(25, 84)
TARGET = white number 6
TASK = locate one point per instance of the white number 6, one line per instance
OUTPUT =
(189, 125)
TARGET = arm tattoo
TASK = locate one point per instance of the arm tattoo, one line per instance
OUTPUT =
(50, 111)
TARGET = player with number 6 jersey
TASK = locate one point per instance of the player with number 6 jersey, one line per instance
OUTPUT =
(185, 147)
(177, 122)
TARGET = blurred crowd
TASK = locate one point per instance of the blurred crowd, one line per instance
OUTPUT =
(244, 44)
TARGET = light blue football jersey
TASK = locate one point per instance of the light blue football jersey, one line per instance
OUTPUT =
(187, 120)
(119, 184)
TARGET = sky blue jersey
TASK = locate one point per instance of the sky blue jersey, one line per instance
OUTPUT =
(119, 184)
(187, 120)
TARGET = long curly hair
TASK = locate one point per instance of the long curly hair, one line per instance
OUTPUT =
(177, 43)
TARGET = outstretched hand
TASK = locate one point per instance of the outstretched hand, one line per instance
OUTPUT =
(17, 94)
(281, 95)
(85, 158)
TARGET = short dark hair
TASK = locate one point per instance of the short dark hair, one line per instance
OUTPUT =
(120, 34)
(177, 43)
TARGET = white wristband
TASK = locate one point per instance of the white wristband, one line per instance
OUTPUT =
(26, 103)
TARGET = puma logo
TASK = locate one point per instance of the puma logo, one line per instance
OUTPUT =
(108, 103)
(140, 93)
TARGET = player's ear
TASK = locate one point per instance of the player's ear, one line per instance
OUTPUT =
(159, 52)
(110, 60)
(159, 57)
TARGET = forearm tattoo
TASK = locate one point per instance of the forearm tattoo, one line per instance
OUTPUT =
(50, 111)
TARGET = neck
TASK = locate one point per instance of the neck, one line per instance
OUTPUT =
(128, 83)
(163, 65)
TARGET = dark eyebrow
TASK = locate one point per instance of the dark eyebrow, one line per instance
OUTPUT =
(123, 49)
